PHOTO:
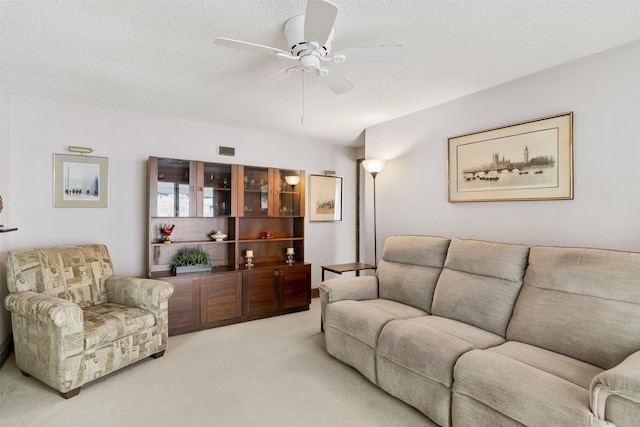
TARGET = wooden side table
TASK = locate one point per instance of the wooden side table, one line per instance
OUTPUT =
(343, 268)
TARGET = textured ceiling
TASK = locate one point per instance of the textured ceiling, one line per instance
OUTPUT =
(158, 56)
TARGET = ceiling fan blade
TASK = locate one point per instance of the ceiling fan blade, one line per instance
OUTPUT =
(319, 19)
(364, 55)
(252, 47)
(334, 80)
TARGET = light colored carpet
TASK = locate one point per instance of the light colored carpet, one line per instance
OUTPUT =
(269, 372)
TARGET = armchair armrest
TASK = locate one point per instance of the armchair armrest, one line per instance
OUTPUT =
(47, 309)
(149, 294)
(623, 381)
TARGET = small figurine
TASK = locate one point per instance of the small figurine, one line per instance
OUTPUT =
(167, 232)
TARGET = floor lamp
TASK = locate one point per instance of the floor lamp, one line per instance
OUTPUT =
(373, 166)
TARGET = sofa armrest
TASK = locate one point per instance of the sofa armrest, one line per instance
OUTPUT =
(355, 288)
(47, 309)
(342, 288)
(623, 381)
(150, 294)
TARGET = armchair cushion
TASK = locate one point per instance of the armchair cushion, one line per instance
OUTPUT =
(108, 322)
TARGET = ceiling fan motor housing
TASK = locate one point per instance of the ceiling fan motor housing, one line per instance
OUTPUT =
(294, 31)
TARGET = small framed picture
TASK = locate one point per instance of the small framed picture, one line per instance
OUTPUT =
(80, 181)
(325, 198)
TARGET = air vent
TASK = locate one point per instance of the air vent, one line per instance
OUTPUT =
(227, 151)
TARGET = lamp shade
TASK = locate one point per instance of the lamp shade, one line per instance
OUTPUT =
(373, 166)
(292, 179)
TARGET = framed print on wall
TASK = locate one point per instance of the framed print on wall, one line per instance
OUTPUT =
(325, 198)
(80, 181)
(525, 161)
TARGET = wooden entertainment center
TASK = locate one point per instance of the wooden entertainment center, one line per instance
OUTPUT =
(258, 211)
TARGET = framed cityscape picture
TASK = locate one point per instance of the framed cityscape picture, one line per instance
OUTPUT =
(325, 198)
(80, 181)
(524, 161)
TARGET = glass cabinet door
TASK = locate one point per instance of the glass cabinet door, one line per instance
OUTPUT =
(256, 191)
(288, 193)
(174, 191)
(216, 190)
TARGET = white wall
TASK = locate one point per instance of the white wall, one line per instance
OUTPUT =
(5, 320)
(603, 91)
(41, 127)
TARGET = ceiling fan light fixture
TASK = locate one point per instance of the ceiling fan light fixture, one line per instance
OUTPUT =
(310, 62)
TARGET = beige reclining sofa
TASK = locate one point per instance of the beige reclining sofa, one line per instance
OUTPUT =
(492, 334)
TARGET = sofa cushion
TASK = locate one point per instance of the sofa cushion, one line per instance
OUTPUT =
(410, 268)
(523, 393)
(480, 283)
(74, 273)
(352, 329)
(559, 365)
(571, 304)
(104, 323)
(415, 359)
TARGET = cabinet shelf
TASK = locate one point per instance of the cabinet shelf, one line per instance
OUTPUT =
(275, 239)
(164, 274)
(193, 242)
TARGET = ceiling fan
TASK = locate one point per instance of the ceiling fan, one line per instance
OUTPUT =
(309, 37)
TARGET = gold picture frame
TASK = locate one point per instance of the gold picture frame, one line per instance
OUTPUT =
(325, 198)
(531, 160)
(80, 181)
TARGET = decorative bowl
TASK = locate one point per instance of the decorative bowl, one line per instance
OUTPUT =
(218, 236)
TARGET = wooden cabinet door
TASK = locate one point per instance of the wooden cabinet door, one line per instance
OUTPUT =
(287, 200)
(221, 296)
(254, 191)
(184, 305)
(172, 187)
(296, 286)
(260, 291)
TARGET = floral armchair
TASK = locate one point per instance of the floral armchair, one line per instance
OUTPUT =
(74, 321)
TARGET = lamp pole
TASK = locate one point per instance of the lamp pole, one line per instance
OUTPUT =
(374, 166)
(375, 226)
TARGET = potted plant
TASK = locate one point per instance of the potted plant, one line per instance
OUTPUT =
(192, 260)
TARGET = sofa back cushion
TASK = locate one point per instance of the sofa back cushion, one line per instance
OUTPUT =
(409, 269)
(480, 283)
(580, 302)
(74, 273)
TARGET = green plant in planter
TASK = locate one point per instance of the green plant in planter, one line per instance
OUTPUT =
(191, 257)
